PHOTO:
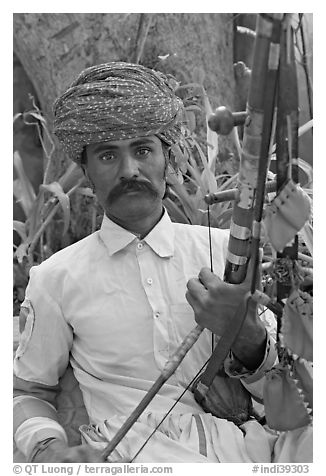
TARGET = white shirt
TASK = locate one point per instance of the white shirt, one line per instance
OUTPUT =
(117, 304)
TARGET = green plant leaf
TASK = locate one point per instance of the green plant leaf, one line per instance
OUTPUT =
(20, 228)
(70, 177)
(184, 198)
(175, 211)
(86, 191)
(195, 173)
(23, 189)
(36, 115)
(212, 137)
(21, 252)
(193, 107)
(16, 116)
(209, 180)
(64, 201)
(225, 218)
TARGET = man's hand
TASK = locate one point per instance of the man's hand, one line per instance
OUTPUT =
(59, 452)
(215, 302)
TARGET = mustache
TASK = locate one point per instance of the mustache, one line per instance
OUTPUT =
(130, 186)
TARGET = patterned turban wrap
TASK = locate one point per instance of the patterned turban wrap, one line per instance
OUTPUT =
(116, 101)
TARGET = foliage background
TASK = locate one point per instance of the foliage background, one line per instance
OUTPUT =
(198, 49)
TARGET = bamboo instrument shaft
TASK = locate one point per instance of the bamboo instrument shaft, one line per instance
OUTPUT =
(265, 57)
(168, 370)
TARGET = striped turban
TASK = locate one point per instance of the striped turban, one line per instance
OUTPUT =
(116, 101)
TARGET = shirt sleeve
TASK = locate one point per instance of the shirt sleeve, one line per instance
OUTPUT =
(254, 380)
(41, 359)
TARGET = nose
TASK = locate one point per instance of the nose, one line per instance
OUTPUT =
(129, 167)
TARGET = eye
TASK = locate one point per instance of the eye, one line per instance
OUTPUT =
(106, 156)
(143, 151)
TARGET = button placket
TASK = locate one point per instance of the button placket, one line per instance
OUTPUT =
(152, 287)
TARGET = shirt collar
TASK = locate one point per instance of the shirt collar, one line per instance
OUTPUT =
(160, 238)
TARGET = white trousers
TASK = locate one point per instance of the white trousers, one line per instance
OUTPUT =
(201, 438)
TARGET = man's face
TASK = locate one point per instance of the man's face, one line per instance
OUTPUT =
(128, 176)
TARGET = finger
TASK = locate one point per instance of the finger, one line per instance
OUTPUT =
(208, 279)
(194, 302)
(195, 287)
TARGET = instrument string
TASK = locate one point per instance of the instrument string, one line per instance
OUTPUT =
(170, 410)
(210, 256)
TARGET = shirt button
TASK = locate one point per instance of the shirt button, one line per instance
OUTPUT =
(149, 281)
(140, 246)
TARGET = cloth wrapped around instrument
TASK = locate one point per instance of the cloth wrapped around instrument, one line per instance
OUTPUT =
(226, 397)
(214, 390)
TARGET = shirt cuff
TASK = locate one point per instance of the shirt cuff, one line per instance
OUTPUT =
(235, 368)
(34, 430)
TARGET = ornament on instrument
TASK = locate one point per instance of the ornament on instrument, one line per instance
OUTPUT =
(297, 325)
(288, 390)
(286, 215)
(285, 404)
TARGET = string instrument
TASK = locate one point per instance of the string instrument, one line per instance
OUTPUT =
(259, 120)
(219, 394)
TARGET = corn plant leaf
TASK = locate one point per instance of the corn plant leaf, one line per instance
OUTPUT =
(70, 177)
(207, 176)
(179, 157)
(195, 173)
(191, 120)
(186, 200)
(193, 107)
(20, 228)
(209, 180)
(64, 201)
(175, 211)
(23, 189)
(86, 191)
(229, 183)
(16, 116)
(225, 218)
(212, 137)
(36, 215)
(34, 114)
(22, 251)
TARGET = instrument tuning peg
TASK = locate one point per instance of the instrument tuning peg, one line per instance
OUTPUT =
(222, 121)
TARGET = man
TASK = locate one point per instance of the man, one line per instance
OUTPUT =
(118, 303)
